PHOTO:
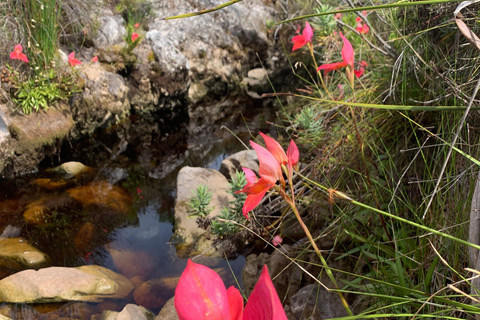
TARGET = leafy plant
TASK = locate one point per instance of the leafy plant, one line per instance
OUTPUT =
(200, 201)
(234, 212)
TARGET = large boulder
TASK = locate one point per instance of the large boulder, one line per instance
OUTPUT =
(56, 284)
(16, 254)
(192, 239)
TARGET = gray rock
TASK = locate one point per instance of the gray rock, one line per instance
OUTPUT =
(169, 58)
(168, 311)
(71, 169)
(196, 240)
(235, 162)
(132, 311)
(111, 29)
(315, 302)
(57, 284)
(108, 315)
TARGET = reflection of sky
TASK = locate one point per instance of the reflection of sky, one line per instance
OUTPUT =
(152, 237)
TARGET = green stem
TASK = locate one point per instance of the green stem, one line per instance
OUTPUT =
(314, 245)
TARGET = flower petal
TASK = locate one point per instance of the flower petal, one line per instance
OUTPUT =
(269, 169)
(275, 148)
(235, 303)
(331, 66)
(348, 54)
(307, 32)
(252, 201)
(293, 154)
(251, 180)
(298, 42)
(263, 303)
(201, 294)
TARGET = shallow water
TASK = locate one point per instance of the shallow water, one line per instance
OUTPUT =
(136, 230)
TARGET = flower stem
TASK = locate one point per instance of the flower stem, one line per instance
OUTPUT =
(292, 205)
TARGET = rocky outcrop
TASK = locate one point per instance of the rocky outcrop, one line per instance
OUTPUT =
(57, 284)
(190, 238)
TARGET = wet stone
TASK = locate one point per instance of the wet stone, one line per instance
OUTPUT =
(154, 293)
(39, 211)
(132, 264)
(16, 254)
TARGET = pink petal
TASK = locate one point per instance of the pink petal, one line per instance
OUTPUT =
(18, 48)
(358, 19)
(235, 303)
(307, 32)
(95, 59)
(252, 201)
(293, 154)
(331, 66)
(201, 294)
(23, 57)
(277, 240)
(137, 25)
(275, 148)
(13, 55)
(347, 51)
(134, 36)
(251, 180)
(364, 13)
(269, 169)
(263, 303)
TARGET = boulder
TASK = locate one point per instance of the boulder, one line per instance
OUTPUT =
(16, 254)
(315, 302)
(70, 169)
(191, 239)
(168, 311)
(58, 284)
(130, 312)
(235, 162)
(111, 29)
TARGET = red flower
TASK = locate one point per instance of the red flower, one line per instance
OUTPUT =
(337, 16)
(72, 60)
(134, 36)
(201, 294)
(95, 59)
(362, 28)
(17, 54)
(361, 69)
(277, 240)
(348, 56)
(301, 40)
(137, 25)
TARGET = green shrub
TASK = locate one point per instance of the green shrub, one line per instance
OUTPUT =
(200, 201)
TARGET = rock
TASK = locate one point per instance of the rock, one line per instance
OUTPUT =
(316, 302)
(39, 211)
(251, 270)
(130, 312)
(168, 311)
(235, 162)
(71, 169)
(50, 184)
(84, 237)
(104, 99)
(155, 292)
(110, 31)
(102, 194)
(16, 254)
(256, 82)
(195, 240)
(57, 284)
(131, 264)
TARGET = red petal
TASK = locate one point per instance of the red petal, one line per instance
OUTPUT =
(275, 148)
(23, 57)
(252, 201)
(347, 51)
(331, 66)
(307, 32)
(263, 303)
(13, 55)
(298, 42)
(235, 302)
(201, 294)
(18, 48)
(293, 154)
(269, 169)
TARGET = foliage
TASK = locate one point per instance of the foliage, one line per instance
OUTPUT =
(324, 25)
(200, 201)
(42, 90)
(133, 40)
(234, 212)
(135, 11)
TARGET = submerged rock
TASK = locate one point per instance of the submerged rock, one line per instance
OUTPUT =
(154, 293)
(71, 169)
(131, 264)
(50, 184)
(39, 211)
(103, 194)
(16, 254)
(57, 284)
(194, 239)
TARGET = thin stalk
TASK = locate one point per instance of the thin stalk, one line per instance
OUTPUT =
(289, 201)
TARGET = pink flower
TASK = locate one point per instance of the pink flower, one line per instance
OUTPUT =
(362, 28)
(137, 25)
(17, 54)
(348, 56)
(364, 13)
(337, 16)
(95, 59)
(72, 60)
(201, 294)
(277, 240)
(134, 36)
(301, 40)
(361, 69)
